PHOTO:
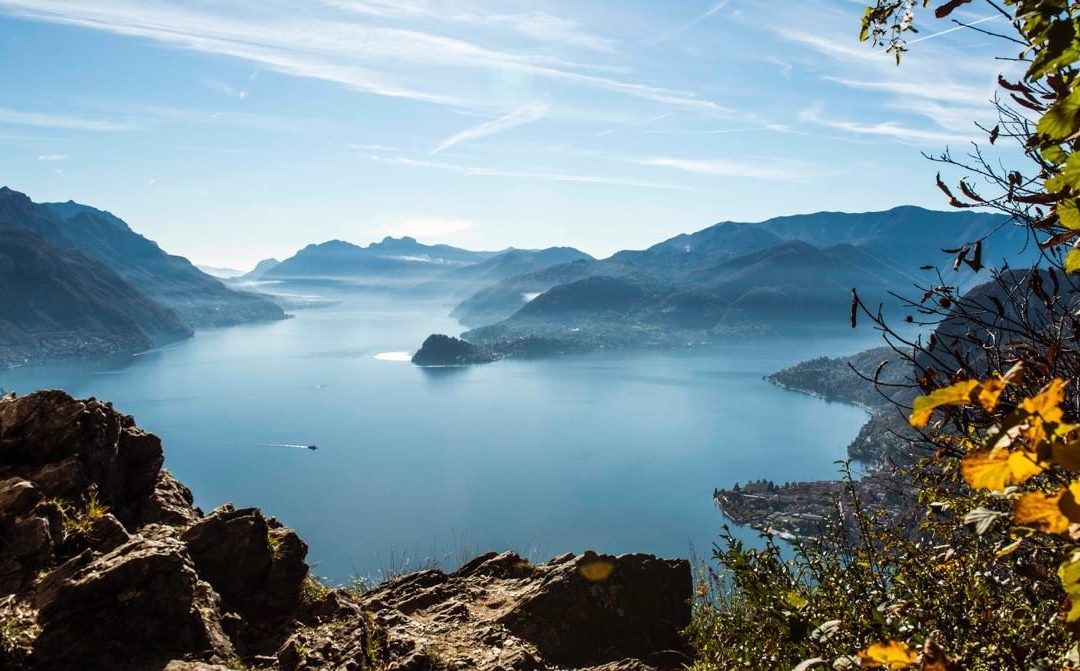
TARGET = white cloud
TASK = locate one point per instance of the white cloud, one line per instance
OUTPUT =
(364, 57)
(634, 124)
(225, 88)
(689, 24)
(540, 26)
(728, 168)
(887, 129)
(45, 120)
(52, 157)
(523, 115)
(542, 175)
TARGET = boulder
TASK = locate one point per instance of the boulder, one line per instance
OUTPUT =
(63, 445)
(137, 607)
(593, 609)
(255, 564)
(500, 612)
(170, 503)
(30, 529)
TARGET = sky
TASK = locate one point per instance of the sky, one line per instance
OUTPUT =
(230, 131)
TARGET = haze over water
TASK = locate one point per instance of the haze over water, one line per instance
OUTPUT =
(617, 451)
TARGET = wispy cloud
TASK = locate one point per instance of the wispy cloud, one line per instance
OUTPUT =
(886, 129)
(541, 175)
(225, 88)
(369, 58)
(52, 157)
(540, 26)
(751, 169)
(715, 9)
(933, 103)
(523, 115)
(635, 124)
(46, 120)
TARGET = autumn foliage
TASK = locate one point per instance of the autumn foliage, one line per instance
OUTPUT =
(983, 570)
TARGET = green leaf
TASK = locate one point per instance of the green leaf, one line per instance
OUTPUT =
(868, 16)
(1069, 214)
(1059, 51)
(795, 600)
(1054, 154)
(1060, 121)
(1072, 261)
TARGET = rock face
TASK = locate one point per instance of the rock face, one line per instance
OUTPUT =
(105, 563)
(500, 611)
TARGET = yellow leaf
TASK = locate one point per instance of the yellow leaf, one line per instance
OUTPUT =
(997, 469)
(1042, 511)
(597, 570)
(955, 394)
(989, 392)
(893, 655)
(1047, 403)
(1069, 574)
(1072, 261)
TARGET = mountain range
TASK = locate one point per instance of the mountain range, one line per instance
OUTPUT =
(394, 263)
(78, 281)
(736, 277)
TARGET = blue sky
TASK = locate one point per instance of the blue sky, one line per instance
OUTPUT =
(230, 131)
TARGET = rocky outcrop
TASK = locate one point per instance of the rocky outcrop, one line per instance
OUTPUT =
(136, 607)
(502, 612)
(109, 556)
(105, 563)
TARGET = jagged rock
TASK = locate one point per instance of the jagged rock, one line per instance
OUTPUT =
(29, 527)
(106, 534)
(171, 503)
(17, 497)
(139, 605)
(254, 563)
(339, 645)
(631, 606)
(502, 612)
(63, 444)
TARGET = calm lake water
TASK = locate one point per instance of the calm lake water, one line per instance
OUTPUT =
(616, 452)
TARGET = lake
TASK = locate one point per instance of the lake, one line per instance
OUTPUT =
(616, 452)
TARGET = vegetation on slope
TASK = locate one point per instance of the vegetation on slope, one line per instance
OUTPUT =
(985, 572)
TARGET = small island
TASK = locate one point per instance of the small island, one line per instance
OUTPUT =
(444, 350)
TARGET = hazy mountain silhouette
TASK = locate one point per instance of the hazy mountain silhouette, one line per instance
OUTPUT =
(394, 263)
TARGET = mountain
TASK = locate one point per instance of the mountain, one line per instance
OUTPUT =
(199, 299)
(734, 278)
(394, 263)
(220, 273)
(459, 283)
(59, 302)
(909, 236)
(259, 270)
(789, 281)
(502, 299)
(79, 282)
(890, 245)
